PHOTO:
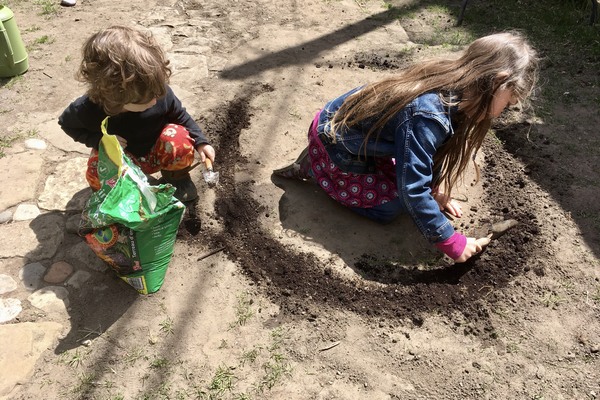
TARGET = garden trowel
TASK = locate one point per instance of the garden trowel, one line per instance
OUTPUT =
(210, 177)
(497, 229)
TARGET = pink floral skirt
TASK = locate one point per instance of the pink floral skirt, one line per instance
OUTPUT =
(350, 189)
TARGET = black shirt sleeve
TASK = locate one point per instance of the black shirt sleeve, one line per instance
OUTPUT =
(81, 121)
(179, 115)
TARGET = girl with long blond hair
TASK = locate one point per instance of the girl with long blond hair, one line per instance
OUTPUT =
(401, 144)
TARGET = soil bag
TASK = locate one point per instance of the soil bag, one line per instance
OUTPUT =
(129, 223)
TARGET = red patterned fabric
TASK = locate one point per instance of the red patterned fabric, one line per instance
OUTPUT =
(173, 151)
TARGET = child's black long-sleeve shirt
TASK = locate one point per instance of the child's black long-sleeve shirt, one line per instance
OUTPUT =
(81, 120)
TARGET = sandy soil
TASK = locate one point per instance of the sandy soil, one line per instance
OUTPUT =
(301, 298)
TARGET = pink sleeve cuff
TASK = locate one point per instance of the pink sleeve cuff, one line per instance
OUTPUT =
(454, 246)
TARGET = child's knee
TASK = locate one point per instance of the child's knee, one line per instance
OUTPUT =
(174, 133)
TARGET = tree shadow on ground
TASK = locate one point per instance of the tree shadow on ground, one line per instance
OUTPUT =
(544, 152)
(394, 253)
(96, 299)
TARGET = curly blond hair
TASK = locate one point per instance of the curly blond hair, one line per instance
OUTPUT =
(122, 65)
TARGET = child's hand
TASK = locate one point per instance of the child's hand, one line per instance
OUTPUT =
(122, 141)
(206, 151)
(473, 247)
(448, 204)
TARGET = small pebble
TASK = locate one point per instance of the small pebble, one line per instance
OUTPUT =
(35, 144)
(5, 216)
(26, 212)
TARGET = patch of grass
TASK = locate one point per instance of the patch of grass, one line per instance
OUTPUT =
(596, 297)
(72, 358)
(39, 42)
(552, 299)
(7, 141)
(276, 367)
(13, 82)
(85, 383)
(222, 381)
(133, 355)
(243, 311)
(249, 356)
(48, 7)
(159, 363)
(166, 326)
(33, 28)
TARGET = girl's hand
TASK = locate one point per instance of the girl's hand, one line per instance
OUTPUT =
(206, 151)
(448, 204)
(122, 141)
(473, 247)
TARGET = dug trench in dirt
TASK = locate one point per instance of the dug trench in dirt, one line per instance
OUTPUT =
(287, 276)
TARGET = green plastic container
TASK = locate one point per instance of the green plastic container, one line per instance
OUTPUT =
(13, 56)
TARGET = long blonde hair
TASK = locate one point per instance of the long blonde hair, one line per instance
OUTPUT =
(503, 60)
(122, 65)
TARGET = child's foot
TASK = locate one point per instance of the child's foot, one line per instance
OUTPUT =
(68, 3)
(185, 190)
(298, 169)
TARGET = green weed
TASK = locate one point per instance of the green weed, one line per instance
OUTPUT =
(85, 383)
(222, 381)
(159, 363)
(166, 326)
(552, 299)
(249, 356)
(48, 7)
(243, 311)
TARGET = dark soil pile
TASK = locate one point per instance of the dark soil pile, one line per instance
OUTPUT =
(304, 286)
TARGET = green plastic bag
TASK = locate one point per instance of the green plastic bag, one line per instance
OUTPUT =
(129, 223)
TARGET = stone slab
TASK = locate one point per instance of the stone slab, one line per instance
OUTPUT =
(7, 284)
(22, 346)
(53, 134)
(31, 275)
(9, 309)
(24, 168)
(26, 212)
(37, 240)
(58, 272)
(82, 255)
(50, 299)
(66, 188)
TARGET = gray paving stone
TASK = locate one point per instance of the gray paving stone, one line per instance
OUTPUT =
(9, 309)
(72, 225)
(5, 216)
(53, 134)
(65, 189)
(35, 144)
(26, 212)
(53, 299)
(37, 240)
(81, 255)
(188, 68)
(78, 279)
(24, 168)
(31, 275)
(7, 284)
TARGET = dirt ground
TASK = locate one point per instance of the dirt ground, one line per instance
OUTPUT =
(274, 291)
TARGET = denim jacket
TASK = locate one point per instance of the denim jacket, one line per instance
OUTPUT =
(411, 137)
